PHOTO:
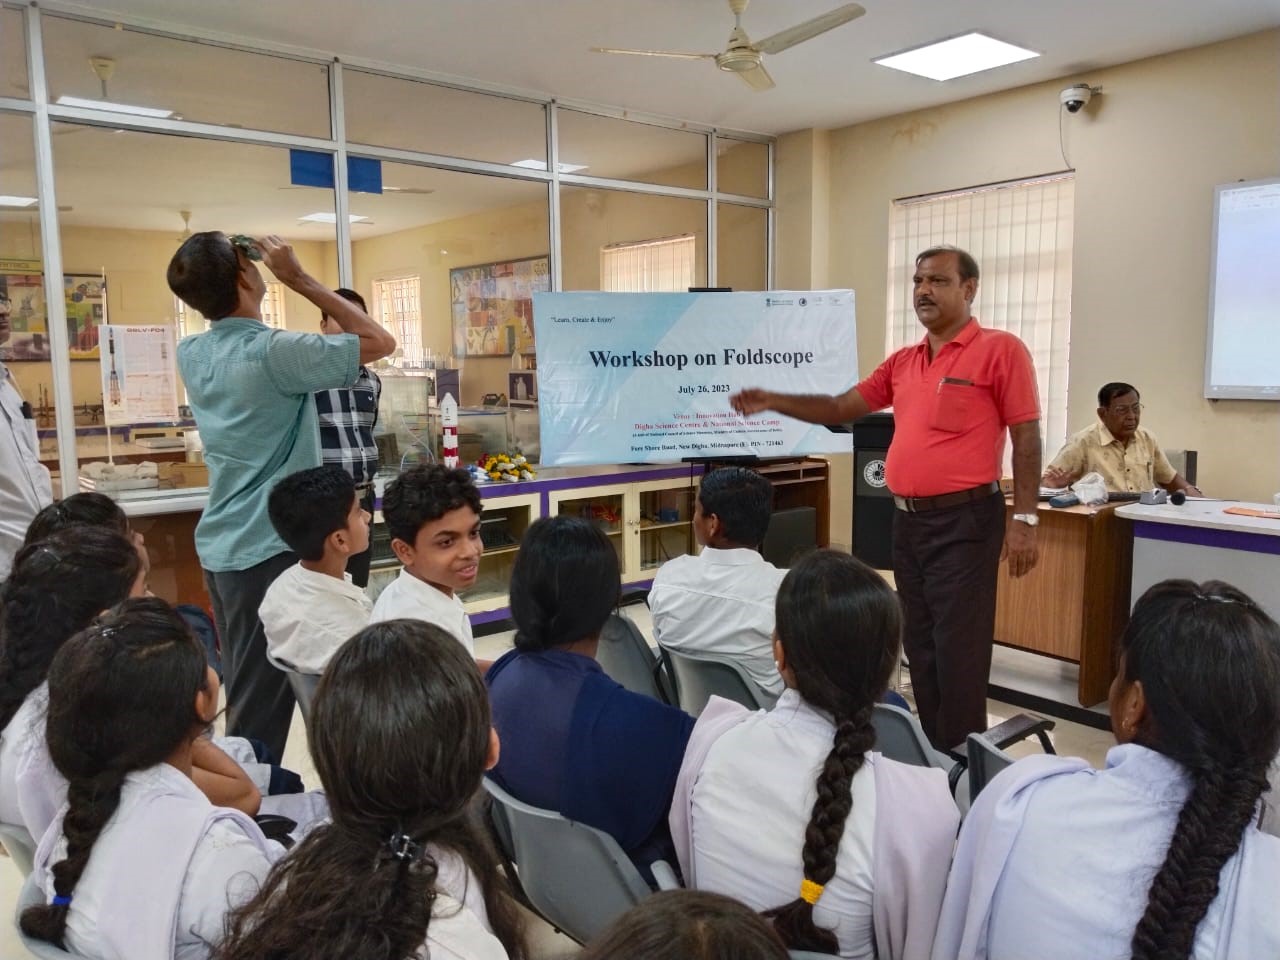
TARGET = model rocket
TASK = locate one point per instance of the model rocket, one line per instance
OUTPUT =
(449, 423)
(113, 381)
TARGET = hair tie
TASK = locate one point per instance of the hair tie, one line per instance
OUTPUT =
(1217, 598)
(61, 901)
(404, 848)
(810, 891)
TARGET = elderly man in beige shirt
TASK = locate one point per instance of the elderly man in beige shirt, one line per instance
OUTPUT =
(1127, 455)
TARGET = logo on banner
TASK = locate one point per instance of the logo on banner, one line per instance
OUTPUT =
(873, 473)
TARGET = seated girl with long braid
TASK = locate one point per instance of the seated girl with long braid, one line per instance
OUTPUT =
(57, 586)
(138, 863)
(791, 811)
(1158, 855)
(400, 736)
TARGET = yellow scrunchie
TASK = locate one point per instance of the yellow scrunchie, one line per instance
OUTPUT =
(810, 891)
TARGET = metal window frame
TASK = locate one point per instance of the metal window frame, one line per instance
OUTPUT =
(43, 114)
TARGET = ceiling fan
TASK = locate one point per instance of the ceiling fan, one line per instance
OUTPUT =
(745, 58)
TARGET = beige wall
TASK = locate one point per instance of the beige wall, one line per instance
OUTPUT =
(1147, 154)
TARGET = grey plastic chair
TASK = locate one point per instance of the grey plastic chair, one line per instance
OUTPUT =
(700, 678)
(626, 656)
(985, 761)
(899, 737)
(21, 847)
(30, 896)
(576, 876)
(304, 687)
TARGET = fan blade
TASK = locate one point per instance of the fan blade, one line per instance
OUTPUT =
(757, 79)
(657, 53)
(809, 29)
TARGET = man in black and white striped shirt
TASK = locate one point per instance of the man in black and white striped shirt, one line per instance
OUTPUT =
(347, 418)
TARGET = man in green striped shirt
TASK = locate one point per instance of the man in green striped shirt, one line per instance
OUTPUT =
(251, 389)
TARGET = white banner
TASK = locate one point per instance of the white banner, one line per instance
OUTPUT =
(139, 373)
(646, 377)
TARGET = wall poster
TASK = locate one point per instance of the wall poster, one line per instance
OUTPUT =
(22, 287)
(492, 306)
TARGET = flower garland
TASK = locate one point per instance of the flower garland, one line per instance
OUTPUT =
(503, 466)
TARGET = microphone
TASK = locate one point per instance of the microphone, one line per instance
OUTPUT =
(1177, 498)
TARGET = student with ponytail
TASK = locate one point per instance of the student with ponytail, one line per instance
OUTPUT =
(139, 863)
(99, 510)
(791, 811)
(574, 740)
(1158, 855)
(400, 736)
(57, 587)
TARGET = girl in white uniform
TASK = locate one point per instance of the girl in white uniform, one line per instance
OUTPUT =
(52, 592)
(1157, 856)
(58, 585)
(139, 863)
(791, 811)
(400, 736)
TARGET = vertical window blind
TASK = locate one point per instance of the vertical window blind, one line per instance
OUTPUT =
(1020, 233)
(650, 266)
(397, 306)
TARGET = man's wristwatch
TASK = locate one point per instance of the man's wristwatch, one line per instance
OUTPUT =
(1030, 519)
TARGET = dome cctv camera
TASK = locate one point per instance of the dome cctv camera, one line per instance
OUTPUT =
(1076, 96)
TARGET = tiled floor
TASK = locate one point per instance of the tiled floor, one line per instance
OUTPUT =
(1069, 738)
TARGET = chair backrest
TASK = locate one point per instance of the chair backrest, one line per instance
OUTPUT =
(29, 896)
(304, 688)
(700, 678)
(985, 761)
(21, 848)
(625, 656)
(576, 876)
(899, 737)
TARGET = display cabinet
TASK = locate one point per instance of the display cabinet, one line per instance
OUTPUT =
(648, 521)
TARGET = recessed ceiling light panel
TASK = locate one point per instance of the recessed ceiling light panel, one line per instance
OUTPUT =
(957, 57)
(542, 165)
(114, 107)
(330, 218)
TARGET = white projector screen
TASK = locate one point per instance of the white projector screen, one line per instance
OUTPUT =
(1242, 357)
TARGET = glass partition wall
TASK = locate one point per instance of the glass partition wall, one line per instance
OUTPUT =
(117, 140)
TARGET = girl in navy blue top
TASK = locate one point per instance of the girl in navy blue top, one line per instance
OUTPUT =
(573, 740)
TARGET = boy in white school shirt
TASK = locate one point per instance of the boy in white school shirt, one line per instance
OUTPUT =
(721, 601)
(313, 608)
(433, 516)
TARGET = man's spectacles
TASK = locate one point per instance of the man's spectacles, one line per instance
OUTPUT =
(1130, 408)
(246, 246)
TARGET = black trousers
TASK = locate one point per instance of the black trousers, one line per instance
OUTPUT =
(358, 564)
(259, 699)
(945, 563)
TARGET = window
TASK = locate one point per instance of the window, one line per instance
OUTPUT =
(396, 307)
(1020, 234)
(273, 305)
(650, 266)
(272, 312)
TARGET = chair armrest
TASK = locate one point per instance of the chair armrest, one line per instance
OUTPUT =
(1019, 727)
(664, 876)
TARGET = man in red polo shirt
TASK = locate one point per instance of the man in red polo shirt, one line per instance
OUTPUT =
(953, 395)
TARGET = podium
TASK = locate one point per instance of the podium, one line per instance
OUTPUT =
(1075, 604)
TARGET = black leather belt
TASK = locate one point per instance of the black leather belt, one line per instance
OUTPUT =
(364, 488)
(942, 501)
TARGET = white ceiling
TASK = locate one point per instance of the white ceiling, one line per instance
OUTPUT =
(541, 46)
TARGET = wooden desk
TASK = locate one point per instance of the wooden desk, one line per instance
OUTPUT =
(1075, 603)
